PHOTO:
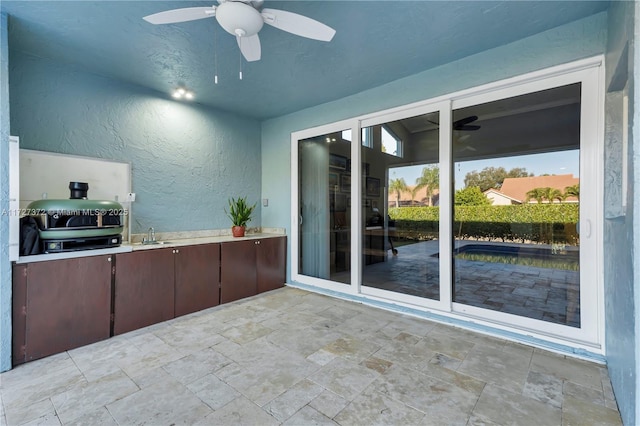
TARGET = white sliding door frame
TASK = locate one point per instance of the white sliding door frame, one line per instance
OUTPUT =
(591, 136)
(443, 107)
(296, 275)
(590, 336)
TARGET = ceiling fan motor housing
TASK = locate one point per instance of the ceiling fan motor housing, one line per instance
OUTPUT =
(239, 19)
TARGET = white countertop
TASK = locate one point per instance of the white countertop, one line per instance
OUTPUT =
(126, 248)
(178, 242)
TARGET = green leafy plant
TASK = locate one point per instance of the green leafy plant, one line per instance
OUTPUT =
(470, 196)
(542, 223)
(239, 211)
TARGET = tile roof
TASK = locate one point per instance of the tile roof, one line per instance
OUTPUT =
(517, 188)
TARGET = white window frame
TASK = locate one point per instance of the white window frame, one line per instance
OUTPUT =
(399, 143)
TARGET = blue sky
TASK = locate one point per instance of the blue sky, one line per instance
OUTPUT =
(558, 163)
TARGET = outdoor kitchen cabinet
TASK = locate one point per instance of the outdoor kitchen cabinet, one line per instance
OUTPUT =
(144, 289)
(159, 284)
(250, 267)
(197, 278)
(60, 305)
(271, 256)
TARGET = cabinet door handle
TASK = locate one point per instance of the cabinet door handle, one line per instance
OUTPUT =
(177, 251)
(109, 259)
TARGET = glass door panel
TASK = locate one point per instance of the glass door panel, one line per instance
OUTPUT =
(516, 165)
(400, 206)
(325, 221)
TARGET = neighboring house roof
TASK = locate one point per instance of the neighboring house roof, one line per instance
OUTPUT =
(500, 194)
(517, 188)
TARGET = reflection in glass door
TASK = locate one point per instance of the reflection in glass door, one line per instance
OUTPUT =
(400, 206)
(324, 184)
(517, 203)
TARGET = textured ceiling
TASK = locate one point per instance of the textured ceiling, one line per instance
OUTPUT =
(376, 42)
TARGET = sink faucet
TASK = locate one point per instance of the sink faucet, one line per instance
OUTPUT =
(151, 235)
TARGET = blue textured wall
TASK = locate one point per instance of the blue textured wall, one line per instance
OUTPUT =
(186, 160)
(580, 39)
(5, 265)
(619, 240)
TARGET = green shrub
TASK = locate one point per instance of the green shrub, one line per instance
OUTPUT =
(543, 223)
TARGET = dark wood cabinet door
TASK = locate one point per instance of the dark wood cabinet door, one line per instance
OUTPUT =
(68, 304)
(270, 260)
(144, 289)
(197, 278)
(238, 270)
(19, 314)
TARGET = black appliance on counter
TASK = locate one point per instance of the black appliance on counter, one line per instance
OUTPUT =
(77, 223)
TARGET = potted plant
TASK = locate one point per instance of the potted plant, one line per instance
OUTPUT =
(240, 213)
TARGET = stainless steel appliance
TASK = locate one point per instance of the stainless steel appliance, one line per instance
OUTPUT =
(77, 223)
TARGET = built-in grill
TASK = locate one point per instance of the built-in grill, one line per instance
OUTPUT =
(77, 223)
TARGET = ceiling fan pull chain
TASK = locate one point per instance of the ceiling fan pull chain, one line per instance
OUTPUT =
(215, 55)
(240, 58)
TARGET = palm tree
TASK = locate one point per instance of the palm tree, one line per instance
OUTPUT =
(398, 186)
(537, 194)
(559, 195)
(572, 191)
(430, 179)
(414, 191)
(551, 194)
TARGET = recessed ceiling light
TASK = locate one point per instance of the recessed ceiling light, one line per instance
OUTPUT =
(182, 93)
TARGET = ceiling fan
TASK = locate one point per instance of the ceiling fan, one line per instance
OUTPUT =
(463, 123)
(244, 19)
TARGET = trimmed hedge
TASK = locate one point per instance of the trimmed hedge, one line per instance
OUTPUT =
(542, 223)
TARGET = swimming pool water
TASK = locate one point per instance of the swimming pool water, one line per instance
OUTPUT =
(526, 256)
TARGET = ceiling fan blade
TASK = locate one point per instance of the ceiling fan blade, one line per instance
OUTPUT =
(250, 47)
(298, 24)
(181, 15)
(466, 120)
(468, 127)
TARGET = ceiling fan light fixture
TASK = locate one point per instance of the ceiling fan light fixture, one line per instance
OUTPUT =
(244, 19)
(239, 19)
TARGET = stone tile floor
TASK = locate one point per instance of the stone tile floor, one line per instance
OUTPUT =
(298, 358)
(551, 295)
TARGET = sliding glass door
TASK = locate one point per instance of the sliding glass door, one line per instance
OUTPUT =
(324, 215)
(517, 205)
(483, 206)
(400, 205)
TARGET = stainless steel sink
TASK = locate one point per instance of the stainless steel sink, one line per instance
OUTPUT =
(148, 243)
